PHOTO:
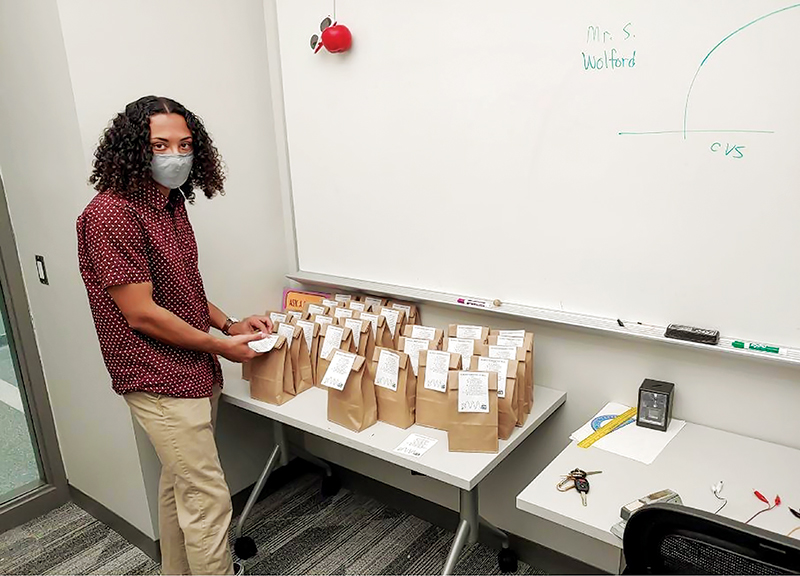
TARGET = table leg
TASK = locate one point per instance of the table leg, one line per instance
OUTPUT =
(459, 541)
(467, 527)
(262, 480)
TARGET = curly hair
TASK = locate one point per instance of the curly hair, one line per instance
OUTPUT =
(123, 156)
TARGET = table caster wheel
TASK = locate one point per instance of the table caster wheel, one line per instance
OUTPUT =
(330, 486)
(244, 547)
(507, 560)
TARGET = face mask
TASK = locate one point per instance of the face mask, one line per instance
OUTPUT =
(171, 170)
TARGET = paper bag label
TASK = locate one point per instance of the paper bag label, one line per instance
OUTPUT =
(425, 332)
(332, 340)
(388, 370)
(286, 330)
(507, 352)
(473, 392)
(391, 319)
(265, 344)
(339, 369)
(331, 303)
(474, 332)
(316, 309)
(308, 331)
(294, 314)
(516, 341)
(512, 333)
(499, 365)
(277, 317)
(412, 347)
(343, 313)
(371, 301)
(342, 297)
(406, 309)
(355, 326)
(436, 369)
(373, 321)
(322, 320)
(463, 346)
(360, 306)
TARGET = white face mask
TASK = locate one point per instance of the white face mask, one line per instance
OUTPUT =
(171, 170)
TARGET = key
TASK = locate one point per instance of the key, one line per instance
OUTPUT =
(578, 473)
(582, 486)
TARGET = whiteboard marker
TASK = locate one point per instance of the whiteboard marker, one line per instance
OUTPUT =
(757, 347)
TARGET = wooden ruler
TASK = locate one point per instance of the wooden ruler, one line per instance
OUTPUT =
(607, 428)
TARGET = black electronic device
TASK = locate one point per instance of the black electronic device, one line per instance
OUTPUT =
(692, 334)
(655, 404)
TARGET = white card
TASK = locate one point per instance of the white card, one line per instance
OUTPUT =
(507, 352)
(425, 332)
(412, 347)
(308, 331)
(342, 298)
(355, 326)
(474, 332)
(415, 445)
(343, 313)
(322, 320)
(373, 320)
(512, 333)
(372, 301)
(286, 330)
(436, 368)
(473, 392)
(277, 317)
(360, 306)
(294, 314)
(339, 369)
(511, 341)
(391, 316)
(264, 345)
(331, 303)
(498, 365)
(388, 371)
(463, 346)
(403, 307)
(332, 340)
(316, 309)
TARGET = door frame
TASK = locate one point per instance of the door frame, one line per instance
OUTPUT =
(22, 340)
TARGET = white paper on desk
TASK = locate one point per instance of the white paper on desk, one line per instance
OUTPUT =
(415, 445)
(631, 441)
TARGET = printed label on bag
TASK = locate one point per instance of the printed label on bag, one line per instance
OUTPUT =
(265, 344)
(415, 445)
(339, 369)
(277, 317)
(372, 301)
(323, 320)
(507, 352)
(343, 313)
(332, 340)
(499, 365)
(391, 319)
(316, 309)
(474, 332)
(308, 331)
(331, 303)
(294, 314)
(436, 369)
(512, 333)
(517, 341)
(412, 347)
(463, 346)
(342, 298)
(404, 308)
(360, 306)
(473, 392)
(425, 332)
(286, 330)
(388, 370)
(373, 321)
(355, 326)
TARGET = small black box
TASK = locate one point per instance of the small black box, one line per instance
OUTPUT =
(655, 404)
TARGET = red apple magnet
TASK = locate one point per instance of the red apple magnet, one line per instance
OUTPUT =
(336, 38)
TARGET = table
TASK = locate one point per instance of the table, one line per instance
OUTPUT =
(308, 412)
(695, 459)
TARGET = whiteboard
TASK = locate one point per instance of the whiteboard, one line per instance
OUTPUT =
(622, 159)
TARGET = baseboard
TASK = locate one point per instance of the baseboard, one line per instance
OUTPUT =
(111, 519)
(536, 555)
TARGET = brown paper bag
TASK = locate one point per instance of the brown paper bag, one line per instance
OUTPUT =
(311, 337)
(478, 333)
(463, 346)
(363, 341)
(492, 350)
(343, 312)
(374, 303)
(358, 306)
(380, 330)
(276, 317)
(432, 392)
(345, 298)
(514, 337)
(353, 407)
(313, 308)
(395, 387)
(472, 431)
(412, 314)
(301, 358)
(417, 331)
(412, 347)
(332, 304)
(271, 378)
(332, 337)
(507, 393)
(394, 322)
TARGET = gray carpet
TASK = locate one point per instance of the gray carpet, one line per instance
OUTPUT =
(307, 534)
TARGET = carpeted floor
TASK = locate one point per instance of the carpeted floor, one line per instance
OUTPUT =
(307, 534)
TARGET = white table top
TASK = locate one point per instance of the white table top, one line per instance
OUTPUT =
(308, 412)
(694, 460)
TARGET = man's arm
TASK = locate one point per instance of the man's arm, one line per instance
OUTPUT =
(247, 326)
(135, 301)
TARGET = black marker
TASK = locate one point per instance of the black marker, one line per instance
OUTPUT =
(620, 323)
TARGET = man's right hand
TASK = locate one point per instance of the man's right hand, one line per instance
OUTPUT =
(236, 349)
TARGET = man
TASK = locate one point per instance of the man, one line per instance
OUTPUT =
(138, 259)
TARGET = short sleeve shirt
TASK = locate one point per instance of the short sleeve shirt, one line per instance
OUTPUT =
(145, 237)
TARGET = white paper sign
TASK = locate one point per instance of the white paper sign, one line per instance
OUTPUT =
(512, 333)
(277, 317)
(388, 370)
(415, 445)
(355, 326)
(343, 313)
(412, 347)
(339, 369)
(507, 352)
(517, 341)
(372, 301)
(294, 314)
(316, 309)
(498, 365)
(473, 392)
(373, 321)
(425, 332)
(403, 307)
(323, 320)
(342, 297)
(436, 368)
(332, 340)
(331, 303)
(308, 331)
(474, 332)
(286, 330)
(391, 318)
(360, 306)
(463, 346)
(264, 345)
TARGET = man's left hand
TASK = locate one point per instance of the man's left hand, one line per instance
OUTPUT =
(252, 324)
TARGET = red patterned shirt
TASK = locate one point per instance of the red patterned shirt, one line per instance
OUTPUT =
(145, 237)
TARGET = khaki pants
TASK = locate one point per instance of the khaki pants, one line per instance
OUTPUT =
(194, 504)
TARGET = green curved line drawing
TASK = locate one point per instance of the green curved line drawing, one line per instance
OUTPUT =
(686, 106)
